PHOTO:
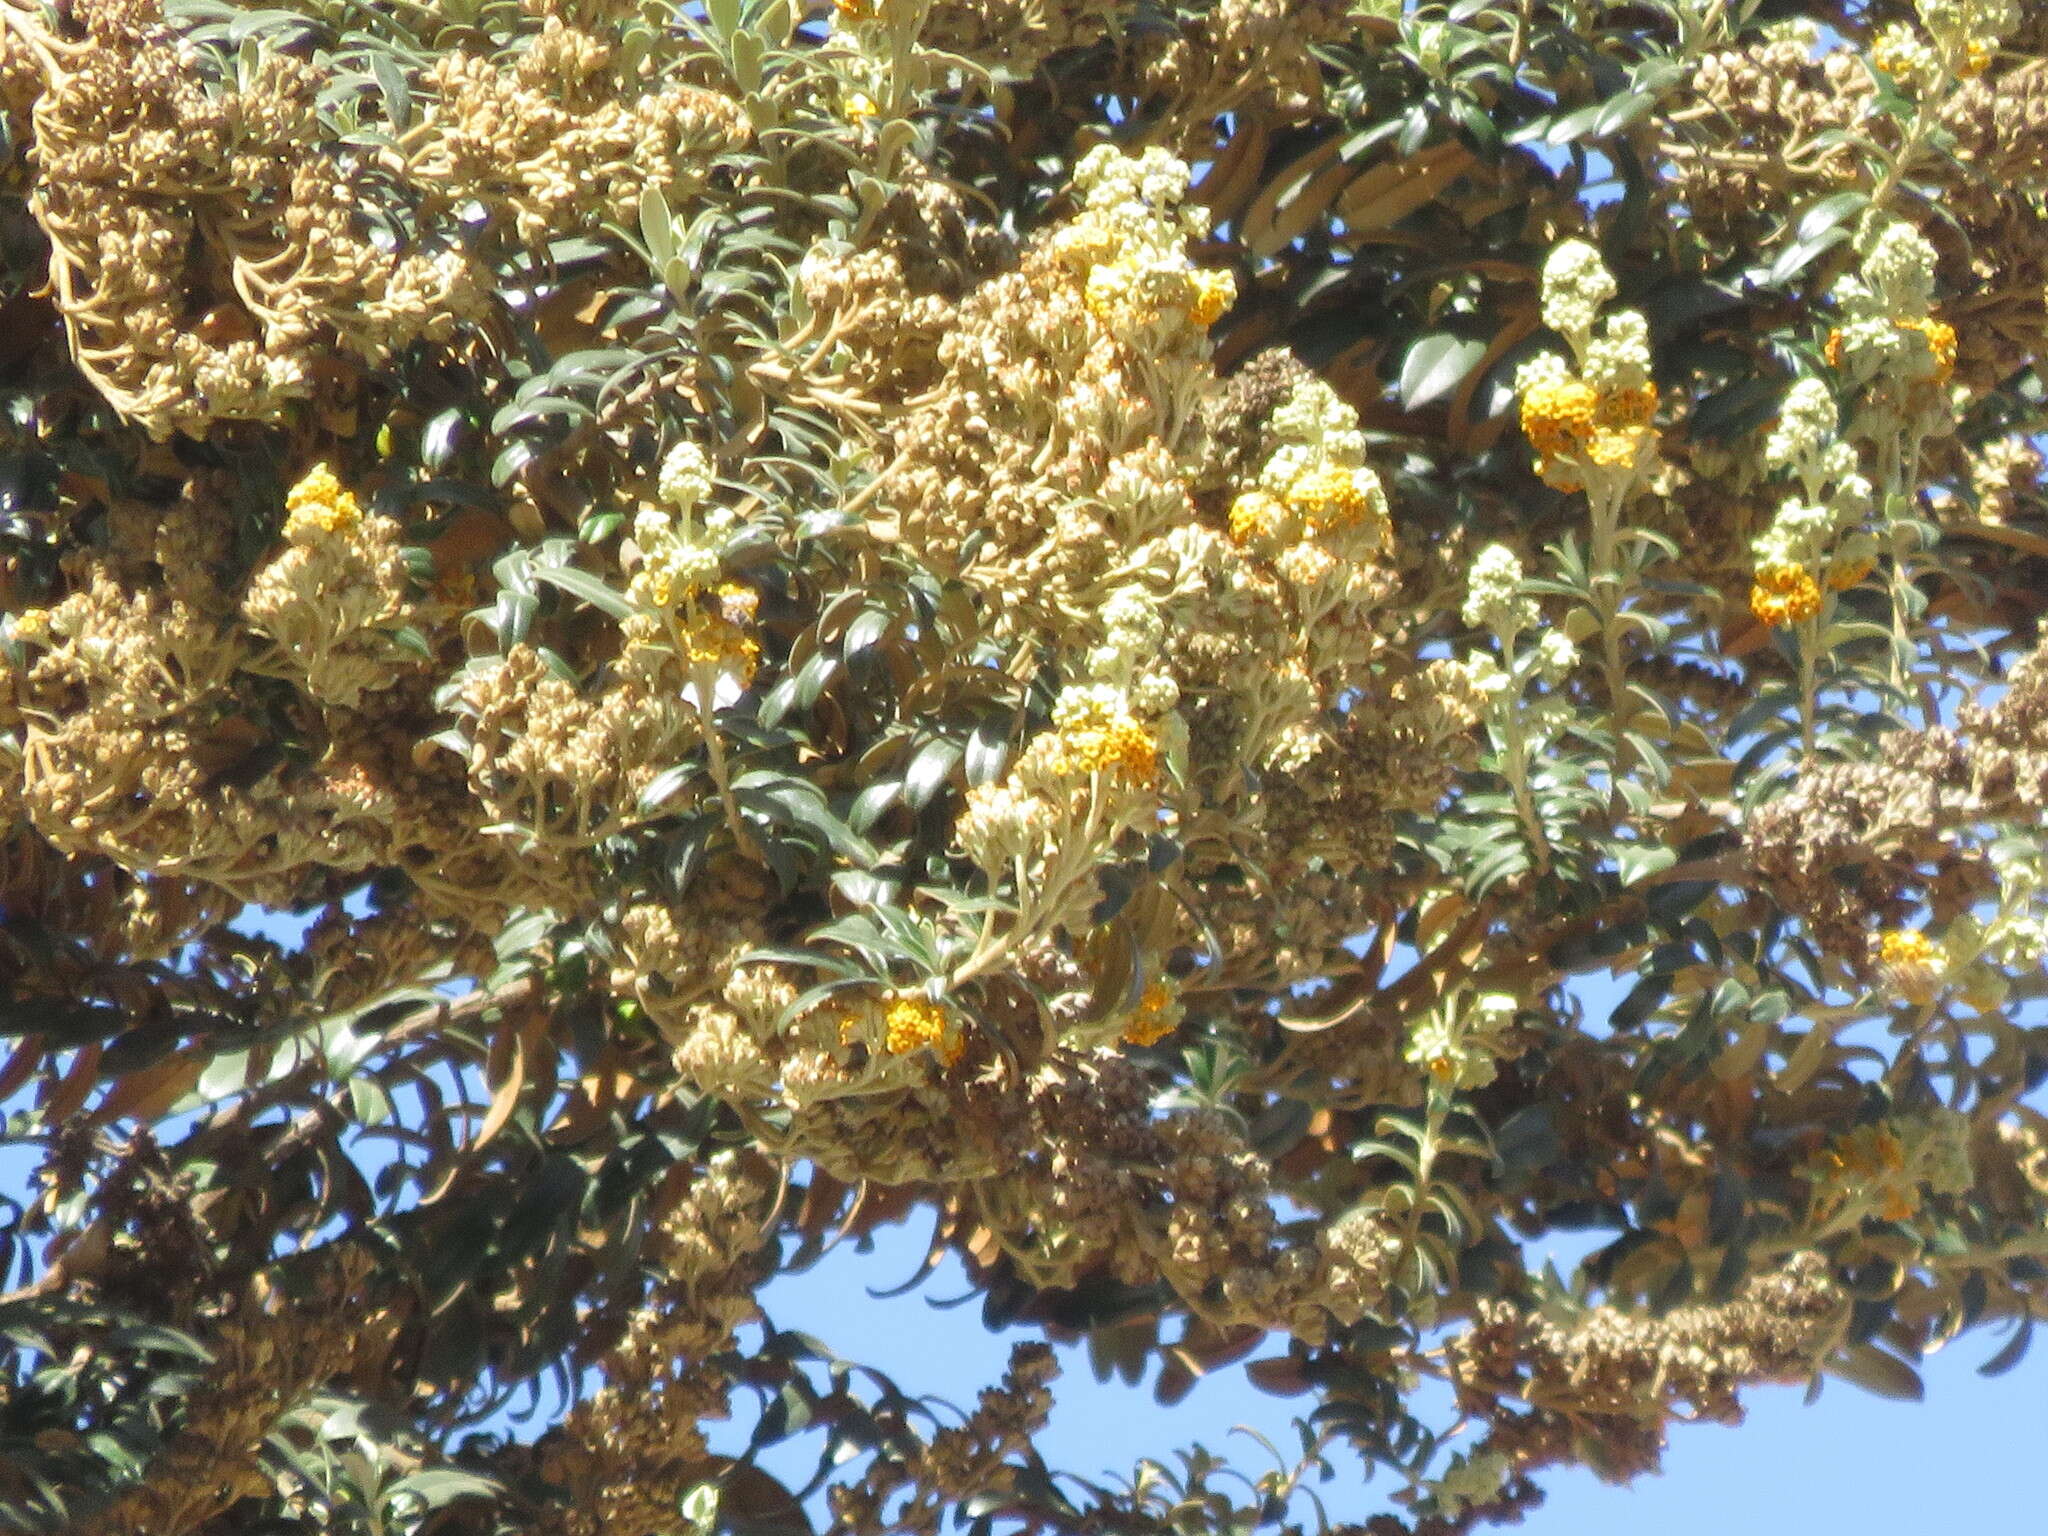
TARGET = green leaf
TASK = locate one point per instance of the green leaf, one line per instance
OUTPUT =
(1877, 1371)
(2013, 1351)
(438, 1486)
(870, 804)
(1829, 212)
(1636, 861)
(665, 786)
(1801, 254)
(1617, 112)
(1436, 366)
(929, 768)
(868, 627)
(657, 228)
(988, 751)
(587, 587)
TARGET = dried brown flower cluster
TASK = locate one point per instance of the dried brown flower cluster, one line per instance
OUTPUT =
(1543, 1386)
(209, 242)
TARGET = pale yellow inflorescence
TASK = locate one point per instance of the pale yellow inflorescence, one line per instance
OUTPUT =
(681, 548)
(1962, 38)
(1814, 544)
(1888, 335)
(1591, 425)
(1128, 244)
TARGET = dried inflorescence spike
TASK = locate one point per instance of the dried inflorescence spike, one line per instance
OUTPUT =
(208, 241)
(1616, 1366)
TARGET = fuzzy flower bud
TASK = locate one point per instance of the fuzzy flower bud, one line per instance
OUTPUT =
(1493, 596)
(1555, 656)
(1576, 284)
(1807, 423)
(685, 477)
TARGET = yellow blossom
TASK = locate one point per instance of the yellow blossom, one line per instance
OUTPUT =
(860, 108)
(1611, 449)
(1632, 407)
(708, 638)
(1210, 293)
(318, 505)
(1108, 285)
(1907, 946)
(1911, 962)
(737, 604)
(1941, 344)
(1784, 595)
(1899, 52)
(1558, 415)
(1871, 1161)
(1158, 1015)
(1331, 497)
(1255, 516)
(1868, 1151)
(1098, 740)
(912, 1021)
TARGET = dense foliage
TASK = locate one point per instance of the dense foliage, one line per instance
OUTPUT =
(634, 640)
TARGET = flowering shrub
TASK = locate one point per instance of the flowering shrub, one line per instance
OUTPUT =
(1154, 636)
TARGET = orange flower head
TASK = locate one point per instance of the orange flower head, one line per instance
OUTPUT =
(1156, 1016)
(1784, 595)
(913, 1021)
(1559, 416)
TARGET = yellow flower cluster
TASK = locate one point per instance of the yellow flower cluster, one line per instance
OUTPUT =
(1331, 498)
(319, 505)
(1907, 946)
(1589, 416)
(1900, 51)
(1211, 291)
(1939, 335)
(1566, 419)
(1911, 962)
(1127, 246)
(1872, 1160)
(1557, 416)
(1784, 595)
(715, 638)
(1096, 739)
(1257, 518)
(913, 1021)
(1457, 1047)
(1317, 512)
(1158, 1015)
(1941, 344)
(1130, 293)
(1323, 500)
(656, 585)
